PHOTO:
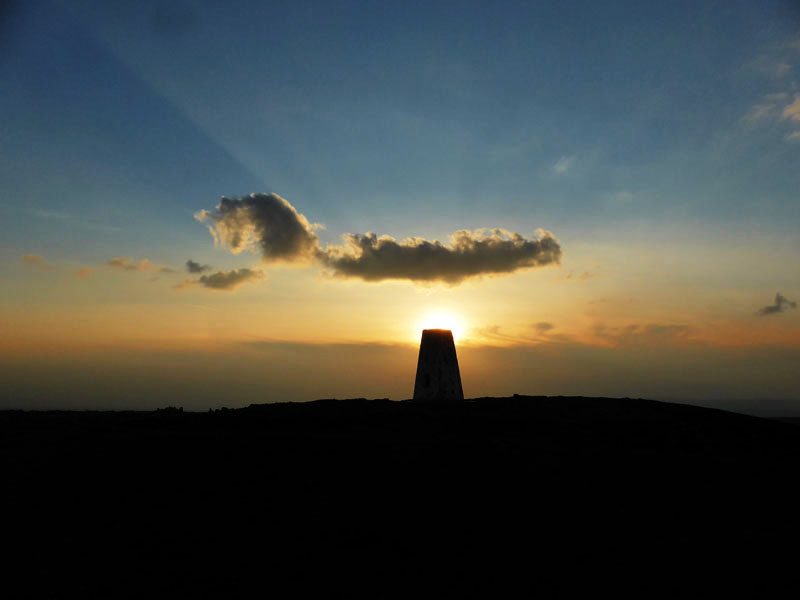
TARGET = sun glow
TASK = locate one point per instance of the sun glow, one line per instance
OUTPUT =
(440, 320)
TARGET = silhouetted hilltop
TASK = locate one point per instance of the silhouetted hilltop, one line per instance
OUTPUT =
(550, 493)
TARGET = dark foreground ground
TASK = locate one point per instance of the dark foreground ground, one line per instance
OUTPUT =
(525, 493)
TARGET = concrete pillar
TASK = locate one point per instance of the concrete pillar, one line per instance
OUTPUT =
(438, 378)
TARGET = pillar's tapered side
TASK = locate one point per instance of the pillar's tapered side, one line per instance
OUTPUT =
(438, 378)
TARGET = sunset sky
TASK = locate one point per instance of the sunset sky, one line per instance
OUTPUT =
(600, 198)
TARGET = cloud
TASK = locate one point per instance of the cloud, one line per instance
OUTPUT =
(644, 335)
(579, 277)
(792, 111)
(193, 267)
(563, 165)
(84, 273)
(224, 280)
(268, 223)
(774, 64)
(265, 222)
(123, 263)
(469, 254)
(776, 108)
(768, 108)
(780, 69)
(781, 304)
(34, 260)
(493, 335)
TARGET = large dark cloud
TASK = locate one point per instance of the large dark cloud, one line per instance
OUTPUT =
(270, 224)
(469, 253)
(225, 280)
(781, 304)
(265, 221)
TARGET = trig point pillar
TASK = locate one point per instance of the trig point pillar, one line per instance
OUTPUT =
(438, 377)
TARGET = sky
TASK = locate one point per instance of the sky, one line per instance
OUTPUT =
(222, 203)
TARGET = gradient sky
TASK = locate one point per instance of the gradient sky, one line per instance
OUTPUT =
(658, 142)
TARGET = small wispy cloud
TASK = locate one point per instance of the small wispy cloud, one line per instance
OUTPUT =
(772, 65)
(563, 165)
(536, 334)
(768, 108)
(579, 276)
(124, 263)
(226, 281)
(494, 334)
(792, 111)
(780, 305)
(776, 67)
(776, 108)
(194, 267)
(781, 69)
(34, 260)
(652, 334)
(84, 272)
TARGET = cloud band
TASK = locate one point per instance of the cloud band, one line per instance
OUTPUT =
(268, 224)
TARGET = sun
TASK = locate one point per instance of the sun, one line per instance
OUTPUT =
(440, 320)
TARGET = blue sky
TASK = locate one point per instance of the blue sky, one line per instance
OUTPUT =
(404, 118)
